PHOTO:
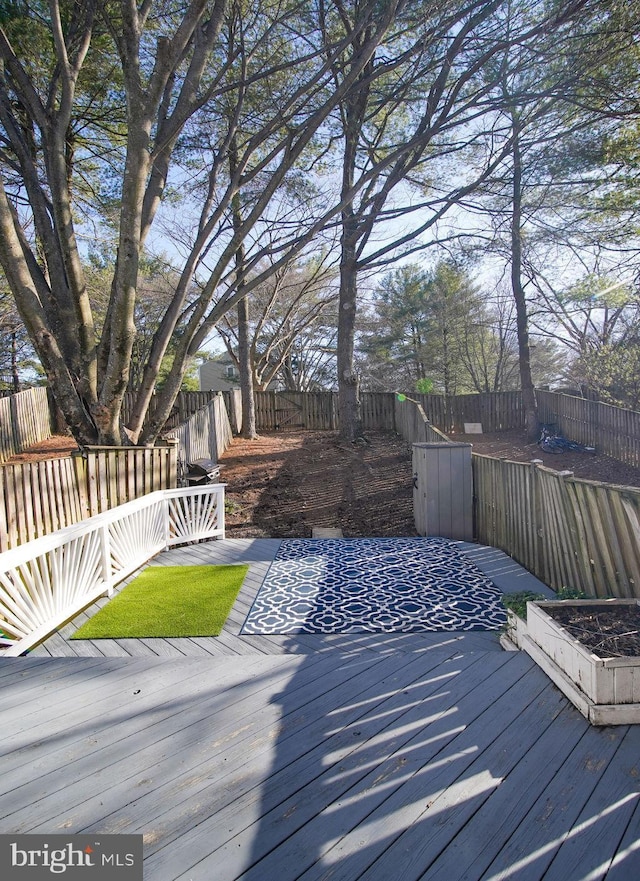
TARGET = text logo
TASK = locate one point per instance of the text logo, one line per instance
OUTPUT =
(95, 857)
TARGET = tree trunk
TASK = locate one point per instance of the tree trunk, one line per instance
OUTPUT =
(348, 392)
(15, 375)
(246, 372)
(245, 365)
(522, 321)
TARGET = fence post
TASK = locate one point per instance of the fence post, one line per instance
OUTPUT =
(172, 466)
(538, 515)
(80, 470)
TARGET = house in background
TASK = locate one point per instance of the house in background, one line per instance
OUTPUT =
(219, 375)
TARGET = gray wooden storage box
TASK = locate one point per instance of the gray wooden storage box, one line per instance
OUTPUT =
(443, 490)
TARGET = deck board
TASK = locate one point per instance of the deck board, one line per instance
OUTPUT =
(336, 764)
(246, 765)
(299, 780)
(626, 864)
(360, 757)
(531, 849)
(392, 831)
(481, 839)
(589, 845)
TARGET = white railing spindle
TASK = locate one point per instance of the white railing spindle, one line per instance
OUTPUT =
(45, 582)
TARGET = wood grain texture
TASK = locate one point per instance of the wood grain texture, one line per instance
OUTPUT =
(332, 765)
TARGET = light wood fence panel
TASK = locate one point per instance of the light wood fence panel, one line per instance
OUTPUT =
(569, 532)
(556, 527)
(266, 419)
(412, 423)
(186, 404)
(496, 411)
(318, 410)
(233, 401)
(7, 439)
(285, 411)
(378, 411)
(37, 498)
(611, 430)
(111, 476)
(25, 419)
(206, 434)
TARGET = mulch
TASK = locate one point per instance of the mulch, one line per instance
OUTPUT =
(607, 631)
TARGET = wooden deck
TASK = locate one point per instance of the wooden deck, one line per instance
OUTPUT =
(259, 554)
(436, 756)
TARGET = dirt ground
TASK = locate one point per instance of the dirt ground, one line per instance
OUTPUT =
(285, 483)
(52, 448)
(513, 445)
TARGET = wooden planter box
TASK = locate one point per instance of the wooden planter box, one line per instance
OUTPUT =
(512, 638)
(605, 690)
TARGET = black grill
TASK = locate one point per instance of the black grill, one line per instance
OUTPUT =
(203, 471)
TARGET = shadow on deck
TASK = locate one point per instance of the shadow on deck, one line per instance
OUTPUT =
(433, 756)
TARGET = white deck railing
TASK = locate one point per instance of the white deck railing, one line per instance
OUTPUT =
(45, 582)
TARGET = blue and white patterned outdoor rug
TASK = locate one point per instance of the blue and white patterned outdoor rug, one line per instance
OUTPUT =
(373, 585)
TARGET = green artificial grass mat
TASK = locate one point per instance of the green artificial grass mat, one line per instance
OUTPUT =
(168, 601)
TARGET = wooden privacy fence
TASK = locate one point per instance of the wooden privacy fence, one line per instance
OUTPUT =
(110, 476)
(37, 498)
(319, 410)
(233, 402)
(45, 582)
(206, 434)
(569, 532)
(277, 411)
(186, 404)
(412, 423)
(25, 419)
(496, 411)
(611, 430)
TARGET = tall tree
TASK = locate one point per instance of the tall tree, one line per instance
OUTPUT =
(596, 319)
(170, 68)
(292, 328)
(552, 96)
(418, 106)
(439, 326)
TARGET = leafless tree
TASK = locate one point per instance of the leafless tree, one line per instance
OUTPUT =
(173, 67)
(292, 319)
(426, 99)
